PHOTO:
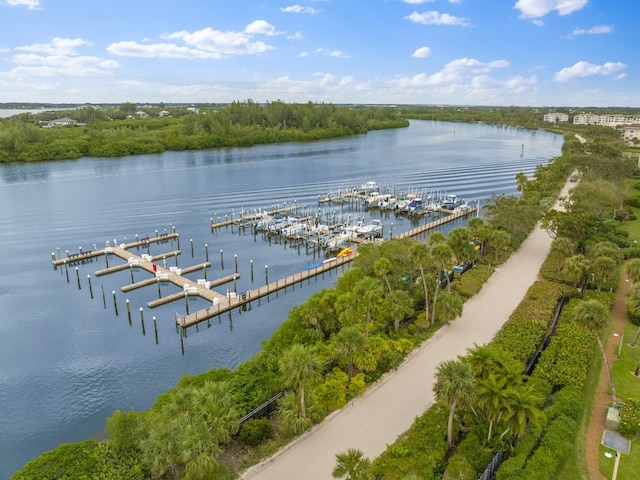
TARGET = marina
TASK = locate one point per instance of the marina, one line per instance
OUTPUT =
(70, 356)
(219, 303)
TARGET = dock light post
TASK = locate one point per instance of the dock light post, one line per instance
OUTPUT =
(221, 259)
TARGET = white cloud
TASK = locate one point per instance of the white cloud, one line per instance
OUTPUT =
(295, 36)
(58, 57)
(539, 8)
(598, 29)
(54, 65)
(299, 9)
(331, 53)
(585, 69)
(30, 4)
(159, 50)
(57, 46)
(454, 72)
(422, 52)
(261, 27)
(200, 44)
(417, 2)
(437, 18)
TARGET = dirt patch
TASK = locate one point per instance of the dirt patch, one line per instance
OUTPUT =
(603, 397)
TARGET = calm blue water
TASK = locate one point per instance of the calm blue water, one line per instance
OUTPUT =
(67, 361)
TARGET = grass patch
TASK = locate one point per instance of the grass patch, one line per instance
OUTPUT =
(629, 464)
(627, 384)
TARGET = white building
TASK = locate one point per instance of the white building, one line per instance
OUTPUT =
(556, 117)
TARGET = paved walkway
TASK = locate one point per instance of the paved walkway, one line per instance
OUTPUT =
(388, 408)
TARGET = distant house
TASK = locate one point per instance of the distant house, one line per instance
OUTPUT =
(631, 132)
(59, 122)
(193, 110)
(556, 117)
(142, 114)
(164, 113)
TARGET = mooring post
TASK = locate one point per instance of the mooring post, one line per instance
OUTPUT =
(266, 277)
(78, 278)
(58, 250)
(251, 265)
(142, 321)
(155, 328)
(115, 303)
(206, 252)
(235, 259)
(128, 310)
(104, 298)
(90, 288)
(131, 271)
(191, 241)
(186, 301)
(66, 270)
(178, 237)
(221, 259)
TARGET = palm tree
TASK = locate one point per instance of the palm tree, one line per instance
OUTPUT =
(455, 384)
(460, 241)
(369, 290)
(382, 267)
(348, 308)
(449, 305)
(594, 316)
(300, 366)
(290, 415)
(603, 268)
(522, 407)
(441, 254)
(576, 267)
(491, 396)
(436, 238)
(562, 247)
(500, 239)
(352, 465)
(350, 344)
(399, 305)
(421, 255)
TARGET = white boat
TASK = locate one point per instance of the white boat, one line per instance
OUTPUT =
(450, 201)
(373, 229)
(368, 188)
(338, 242)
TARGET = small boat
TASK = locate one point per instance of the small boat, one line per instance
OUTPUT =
(368, 188)
(373, 229)
(450, 201)
(345, 252)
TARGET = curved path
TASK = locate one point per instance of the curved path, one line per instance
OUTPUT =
(389, 407)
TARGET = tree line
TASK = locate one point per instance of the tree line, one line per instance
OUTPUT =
(112, 132)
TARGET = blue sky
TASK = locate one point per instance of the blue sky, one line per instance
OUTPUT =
(463, 52)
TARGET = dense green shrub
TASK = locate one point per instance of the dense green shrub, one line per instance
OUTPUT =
(421, 450)
(566, 360)
(255, 431)
(89, 459)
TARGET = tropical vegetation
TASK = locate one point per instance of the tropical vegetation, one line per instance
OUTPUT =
(395, 296)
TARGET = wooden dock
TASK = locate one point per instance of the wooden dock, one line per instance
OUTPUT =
(252, 216)
(230, 302)
(81, 255)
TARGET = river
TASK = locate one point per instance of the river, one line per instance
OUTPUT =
(68, 360)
